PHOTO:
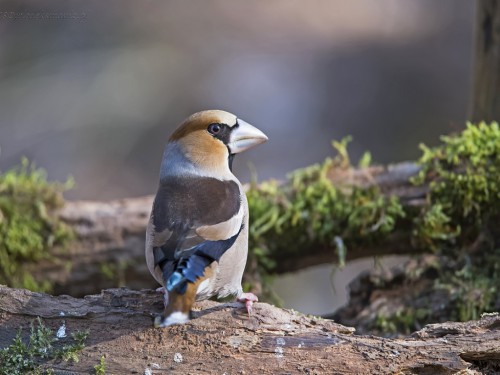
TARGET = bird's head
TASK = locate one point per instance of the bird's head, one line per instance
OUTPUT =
(210, 139)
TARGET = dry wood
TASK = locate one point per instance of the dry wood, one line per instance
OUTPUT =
(223, 339)
(111, 237)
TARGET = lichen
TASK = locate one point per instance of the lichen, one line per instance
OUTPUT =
(28, 226)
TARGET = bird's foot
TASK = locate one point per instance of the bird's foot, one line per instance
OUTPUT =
(248, 299)
(165, 295)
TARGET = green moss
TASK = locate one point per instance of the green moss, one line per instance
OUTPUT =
(403, 321)
(463, 175)
(460, 222)
(23, 357)
(70, 351)
(28, 226)
(462, 206)
(310, 209)
(472, 282)
(100, 369)
(433, 225)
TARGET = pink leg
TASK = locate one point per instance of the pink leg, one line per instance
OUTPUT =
(248, 299)
(165, 295)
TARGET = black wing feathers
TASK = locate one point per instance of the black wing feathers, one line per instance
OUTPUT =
(195, 201)
(192, 267)
(182, 205)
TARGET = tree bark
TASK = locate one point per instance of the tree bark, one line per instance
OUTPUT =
(223, 339)
(109, 250)
(486, 89)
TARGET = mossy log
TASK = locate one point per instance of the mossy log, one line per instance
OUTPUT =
(223, 339)
(109, 250)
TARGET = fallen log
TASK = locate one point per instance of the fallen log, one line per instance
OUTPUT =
(223, 339)
(110, 236)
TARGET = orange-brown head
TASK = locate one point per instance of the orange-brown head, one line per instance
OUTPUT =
(209, 140)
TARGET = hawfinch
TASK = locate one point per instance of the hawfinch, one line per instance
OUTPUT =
(197, 236)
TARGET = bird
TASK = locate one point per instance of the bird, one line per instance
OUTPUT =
(197, 235)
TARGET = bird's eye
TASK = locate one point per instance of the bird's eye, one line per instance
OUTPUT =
(214, 129)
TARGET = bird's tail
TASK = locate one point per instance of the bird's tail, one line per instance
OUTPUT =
(179, 306)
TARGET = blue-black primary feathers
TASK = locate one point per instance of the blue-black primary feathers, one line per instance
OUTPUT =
(192, 266)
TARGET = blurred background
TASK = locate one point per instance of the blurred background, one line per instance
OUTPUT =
(93, 89)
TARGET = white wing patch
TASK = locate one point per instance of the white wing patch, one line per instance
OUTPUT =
(223, 230)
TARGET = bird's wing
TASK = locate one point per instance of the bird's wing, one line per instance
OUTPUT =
(194, 222)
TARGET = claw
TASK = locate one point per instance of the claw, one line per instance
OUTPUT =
(248, 299)
(248, 305)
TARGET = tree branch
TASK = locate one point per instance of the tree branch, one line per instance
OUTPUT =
(109, 250)
(223, 339)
